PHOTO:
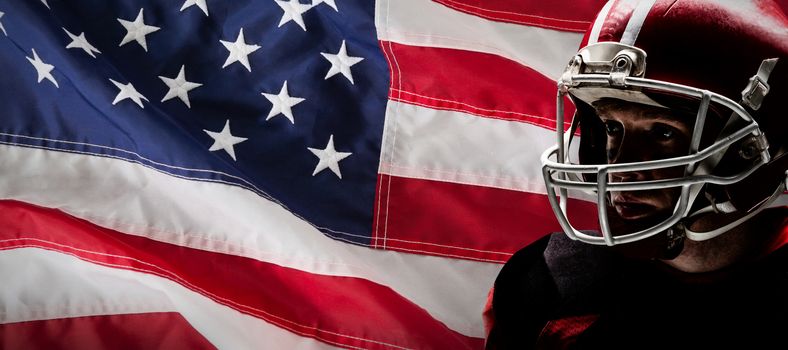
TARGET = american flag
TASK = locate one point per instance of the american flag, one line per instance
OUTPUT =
(270, 173)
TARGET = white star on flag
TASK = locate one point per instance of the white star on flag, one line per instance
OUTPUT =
(128, 91)
(200, 3)
(43, 70)
(239, 51)
(224, 140)
(327, 2)
(329, 158)
(282, 103)
(45, 3)
(179, 87)
(292, 12)
(1, 24)
(80, 42)
(341, 63)
(137, 31)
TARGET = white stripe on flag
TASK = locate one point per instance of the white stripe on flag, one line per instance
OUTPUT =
(462, 148)
(457, 147)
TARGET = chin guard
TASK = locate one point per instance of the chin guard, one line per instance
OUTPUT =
(666, 246)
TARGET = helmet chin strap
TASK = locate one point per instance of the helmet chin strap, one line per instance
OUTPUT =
(702, 236)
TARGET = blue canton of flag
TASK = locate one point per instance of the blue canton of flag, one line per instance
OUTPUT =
(284, 98)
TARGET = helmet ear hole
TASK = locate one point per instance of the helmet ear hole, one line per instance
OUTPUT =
(748, 194)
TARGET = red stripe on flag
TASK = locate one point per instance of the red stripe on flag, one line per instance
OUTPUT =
(159, 330)
(345, 311)
(546, 14)
(457, 220)
(477, 83)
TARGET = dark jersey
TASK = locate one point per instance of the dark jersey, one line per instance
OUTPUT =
(562, 294)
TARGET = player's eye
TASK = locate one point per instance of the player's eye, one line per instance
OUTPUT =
(613, 128)
(663, 132)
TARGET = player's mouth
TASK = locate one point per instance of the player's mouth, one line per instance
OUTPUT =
(631, 208)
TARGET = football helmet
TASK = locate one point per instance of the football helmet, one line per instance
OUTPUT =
(724, 63)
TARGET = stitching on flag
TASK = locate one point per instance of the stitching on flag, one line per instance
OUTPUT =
(479, 108)
(516, 13)
(463, 8)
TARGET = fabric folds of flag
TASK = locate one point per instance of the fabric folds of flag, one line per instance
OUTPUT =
(270, 173)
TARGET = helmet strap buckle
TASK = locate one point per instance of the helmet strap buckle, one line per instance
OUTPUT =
(752, 96)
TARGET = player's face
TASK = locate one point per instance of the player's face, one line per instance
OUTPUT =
(637, 133)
